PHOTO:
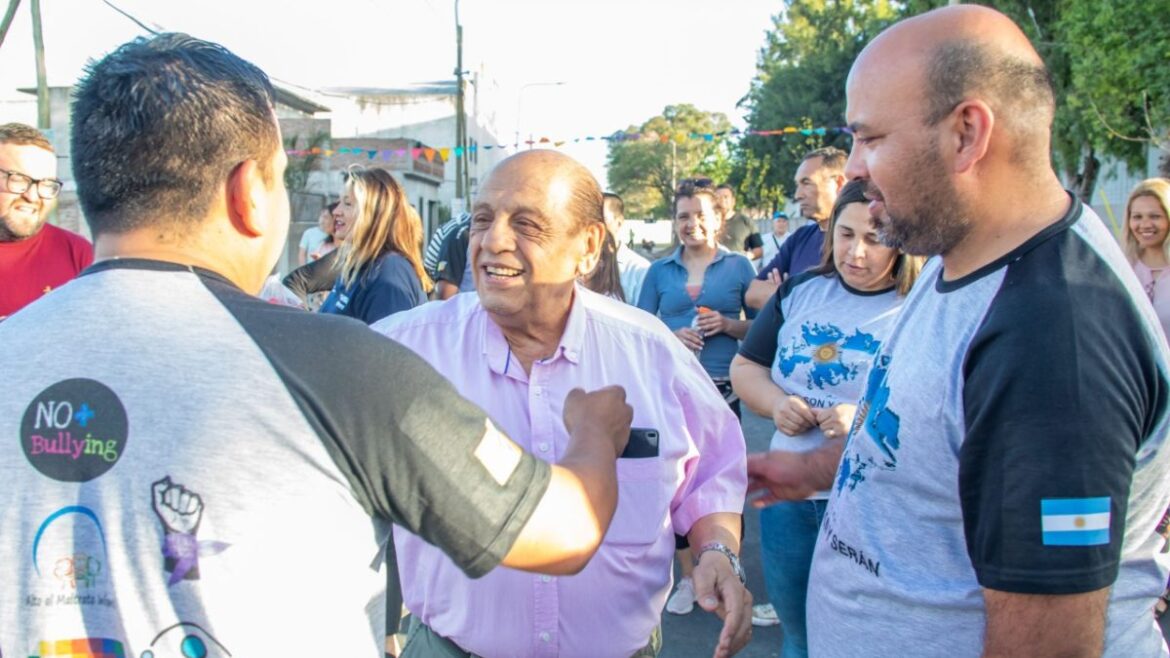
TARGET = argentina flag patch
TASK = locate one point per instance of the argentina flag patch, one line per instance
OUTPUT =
(1075, 521)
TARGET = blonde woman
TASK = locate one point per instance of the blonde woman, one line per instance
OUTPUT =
(1146, 228)
(379, 263)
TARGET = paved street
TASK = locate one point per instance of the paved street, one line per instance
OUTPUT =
(696, 634)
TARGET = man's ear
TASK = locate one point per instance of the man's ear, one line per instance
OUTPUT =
(972, 122)
(594, 236)
(245, 187)
(838, 180)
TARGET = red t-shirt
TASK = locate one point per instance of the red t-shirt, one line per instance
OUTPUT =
(30, 268)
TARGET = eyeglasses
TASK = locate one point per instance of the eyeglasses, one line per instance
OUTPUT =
(18, 183)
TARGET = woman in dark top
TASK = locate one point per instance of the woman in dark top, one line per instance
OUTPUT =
(377, 270)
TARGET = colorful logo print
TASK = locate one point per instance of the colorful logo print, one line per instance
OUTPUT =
(192, 644)
(74, 431)
(90, 647)
(90, 566)
(77, 570)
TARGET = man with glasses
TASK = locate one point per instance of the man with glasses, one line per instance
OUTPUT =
(35, 257)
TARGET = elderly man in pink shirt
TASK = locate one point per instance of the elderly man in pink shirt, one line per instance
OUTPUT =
(516, 349)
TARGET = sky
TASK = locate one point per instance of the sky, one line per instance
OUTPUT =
(620, 61)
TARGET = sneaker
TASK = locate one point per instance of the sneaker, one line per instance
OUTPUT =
(683, 599)
(763, 614)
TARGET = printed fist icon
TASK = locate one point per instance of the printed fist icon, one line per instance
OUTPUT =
(179, 509)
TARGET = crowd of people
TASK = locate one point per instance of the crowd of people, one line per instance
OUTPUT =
(515, 433)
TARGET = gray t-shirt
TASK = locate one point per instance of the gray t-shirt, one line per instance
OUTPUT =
(193, 467)
(1011, 436)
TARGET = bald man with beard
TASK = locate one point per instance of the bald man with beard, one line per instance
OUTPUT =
(1005, 472)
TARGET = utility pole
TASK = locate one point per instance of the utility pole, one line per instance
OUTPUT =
(42, 84)
(460, 121)
(8, 16)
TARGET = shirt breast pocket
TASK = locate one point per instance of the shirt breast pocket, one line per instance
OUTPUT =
(642, 500)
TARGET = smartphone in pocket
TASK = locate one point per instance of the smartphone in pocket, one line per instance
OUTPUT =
(643, 443)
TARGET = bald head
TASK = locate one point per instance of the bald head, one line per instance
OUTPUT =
(566, 181)
(965, 52)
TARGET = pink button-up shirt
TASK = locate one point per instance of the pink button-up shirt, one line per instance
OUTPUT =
(612, 606)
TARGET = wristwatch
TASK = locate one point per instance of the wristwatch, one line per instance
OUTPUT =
(736, 567)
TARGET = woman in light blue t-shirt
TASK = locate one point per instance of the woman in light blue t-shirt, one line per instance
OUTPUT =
(804, 364)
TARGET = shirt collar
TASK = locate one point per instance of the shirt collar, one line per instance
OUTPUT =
(676, 255)
(499, 355)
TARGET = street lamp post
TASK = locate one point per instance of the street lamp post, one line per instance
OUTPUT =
(520, 99)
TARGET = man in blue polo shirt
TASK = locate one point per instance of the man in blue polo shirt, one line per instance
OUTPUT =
(819, 179)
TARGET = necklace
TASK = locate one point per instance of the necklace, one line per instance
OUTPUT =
(1154, 274)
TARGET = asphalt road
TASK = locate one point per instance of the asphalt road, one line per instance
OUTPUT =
(696, 634)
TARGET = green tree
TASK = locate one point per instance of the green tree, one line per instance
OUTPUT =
(1118, 88)
(800, 82)
(1106, 61)
(664, 149)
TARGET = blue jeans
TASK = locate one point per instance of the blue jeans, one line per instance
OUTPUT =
(788, 535)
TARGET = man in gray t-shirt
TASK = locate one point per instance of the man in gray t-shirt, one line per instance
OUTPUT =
(1005, 472)
(200, 473)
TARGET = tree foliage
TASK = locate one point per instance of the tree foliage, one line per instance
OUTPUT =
(1106, 61)
(663, 149)
(800, 81)
(1119, 87)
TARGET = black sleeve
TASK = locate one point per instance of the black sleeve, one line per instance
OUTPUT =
(453, 258)
(409, 445)
(759, 345)
(753, 241)
(1060, 390)
(313, 277)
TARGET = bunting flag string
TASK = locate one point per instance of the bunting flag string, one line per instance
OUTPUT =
(444, 153)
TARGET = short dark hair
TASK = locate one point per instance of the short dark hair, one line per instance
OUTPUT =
(1020, 91)
(159, 124)
(615, 204)
(22, 134)
(694, 187)
(832, 158)
(726, 186)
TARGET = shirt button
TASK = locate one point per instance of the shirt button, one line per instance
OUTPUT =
(546, 579)
(543, 447)
(545, 637)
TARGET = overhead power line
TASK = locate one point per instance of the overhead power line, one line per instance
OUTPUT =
(127, 15)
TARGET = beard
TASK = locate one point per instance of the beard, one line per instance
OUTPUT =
(932, 220)
(13, 230)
